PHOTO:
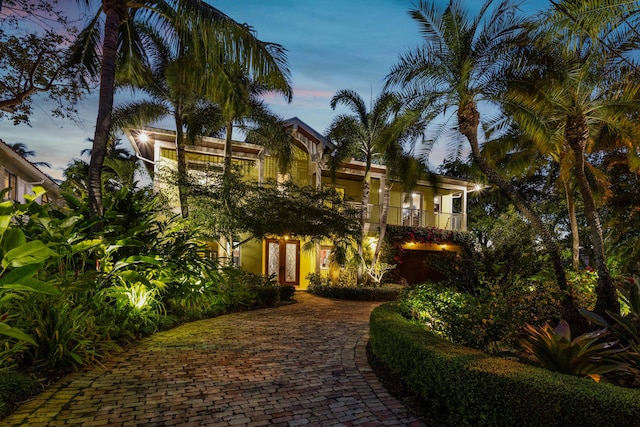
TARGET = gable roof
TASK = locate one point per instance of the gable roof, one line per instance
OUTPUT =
(26, 170)
(309, 132)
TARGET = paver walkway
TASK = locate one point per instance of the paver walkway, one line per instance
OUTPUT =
(300, 364)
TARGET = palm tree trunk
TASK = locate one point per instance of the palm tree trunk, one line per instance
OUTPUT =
(573, 222)
(105, 105)
(366, 191)
(576, 134)
(383, 223)
(468, 121)
(182, 164)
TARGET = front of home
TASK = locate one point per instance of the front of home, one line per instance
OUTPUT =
(430, 206)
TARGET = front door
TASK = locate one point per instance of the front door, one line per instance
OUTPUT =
(283, 260)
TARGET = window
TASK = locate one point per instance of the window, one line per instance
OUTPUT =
(456, 203)
(325, 253)
(235, 257)
(437, 205)
(412, 209)
(11, 181)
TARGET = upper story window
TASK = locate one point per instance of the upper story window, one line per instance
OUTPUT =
(437, 205)
(412, 214)
(11, 181)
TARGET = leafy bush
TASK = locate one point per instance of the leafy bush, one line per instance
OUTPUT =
(490, 320)
(320, 286)
(473, 389)
(287, 292)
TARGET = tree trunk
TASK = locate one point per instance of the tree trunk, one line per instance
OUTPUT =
(383, 223)
(228, 148)
(576, 134)
(105, 106)
(468, 121)
(182, 164)
(573, 222)
(366, 191)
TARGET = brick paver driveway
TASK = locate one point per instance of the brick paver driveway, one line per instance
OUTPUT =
(300, 364)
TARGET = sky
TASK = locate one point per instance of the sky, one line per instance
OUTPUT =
(331, 45)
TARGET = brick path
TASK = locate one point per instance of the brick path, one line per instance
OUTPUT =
(300, 364)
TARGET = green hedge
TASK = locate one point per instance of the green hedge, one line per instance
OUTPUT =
(383, 293)
(472, 388)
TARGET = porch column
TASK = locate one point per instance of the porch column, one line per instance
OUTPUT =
(463, 226)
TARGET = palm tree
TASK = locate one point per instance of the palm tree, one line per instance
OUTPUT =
(238, 95)
(369, 136)
(517, 154)
(459, 65)
(212, 33)
(175, 91)
(22, 149)
(577, 90)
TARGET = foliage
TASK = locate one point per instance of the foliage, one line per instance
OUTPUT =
(585, 355)
(15, 387)
(322, 287)
(457, 382)
(625, 327)
(490, 319)
(33, 60)
(230, 206)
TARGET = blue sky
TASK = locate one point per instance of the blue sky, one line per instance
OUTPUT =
(332, 45)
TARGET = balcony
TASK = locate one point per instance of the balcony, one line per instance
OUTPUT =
(414, 217)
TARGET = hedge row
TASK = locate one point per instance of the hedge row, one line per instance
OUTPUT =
(472, 388)
(383, 293)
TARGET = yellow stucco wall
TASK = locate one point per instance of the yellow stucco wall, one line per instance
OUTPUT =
(251, 257)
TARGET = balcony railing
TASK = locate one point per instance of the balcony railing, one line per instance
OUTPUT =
(414, 217)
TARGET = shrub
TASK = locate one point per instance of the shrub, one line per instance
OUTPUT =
(287, 292)
(321, 287)
(474, 389)
(488, 320)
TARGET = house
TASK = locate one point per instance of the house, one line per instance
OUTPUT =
(441, 207)
(20, 176)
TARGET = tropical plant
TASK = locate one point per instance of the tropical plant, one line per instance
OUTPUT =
(585, 355)
(374, 136)
(570, 90)
(21, 261)
(121, 53)
(459, 65)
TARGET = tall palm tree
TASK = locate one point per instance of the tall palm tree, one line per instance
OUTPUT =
(176, 90)
(121, 52)
(238, 95)
(578, 89)
(517, 155)
(369, 136)
(460, 64)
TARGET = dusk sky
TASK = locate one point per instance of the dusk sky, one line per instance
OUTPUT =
(332, 45)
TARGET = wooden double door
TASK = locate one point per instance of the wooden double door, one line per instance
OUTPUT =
(283, 260)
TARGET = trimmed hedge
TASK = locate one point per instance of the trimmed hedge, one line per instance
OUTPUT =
(472, 388)
(383, 293)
